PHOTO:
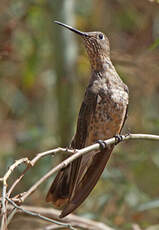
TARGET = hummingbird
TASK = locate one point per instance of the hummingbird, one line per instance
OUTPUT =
(102, 115)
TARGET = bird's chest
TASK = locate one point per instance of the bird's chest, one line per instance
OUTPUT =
(108, 117)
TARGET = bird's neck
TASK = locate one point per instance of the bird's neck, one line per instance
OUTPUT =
(100, 63)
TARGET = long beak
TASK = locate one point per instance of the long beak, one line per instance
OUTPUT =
(72, 29)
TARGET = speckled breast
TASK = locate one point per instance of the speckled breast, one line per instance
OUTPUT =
(109, 115)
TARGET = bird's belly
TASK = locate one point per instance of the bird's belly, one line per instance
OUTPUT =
(106, 122)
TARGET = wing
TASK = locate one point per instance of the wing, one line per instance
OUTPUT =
(65, 181)
(90, 178)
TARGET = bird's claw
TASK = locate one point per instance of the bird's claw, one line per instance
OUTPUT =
(118, 139)
(102, 144)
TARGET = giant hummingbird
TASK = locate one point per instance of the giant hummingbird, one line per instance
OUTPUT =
(102, 115)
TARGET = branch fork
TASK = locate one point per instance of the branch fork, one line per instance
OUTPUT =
(75, 153)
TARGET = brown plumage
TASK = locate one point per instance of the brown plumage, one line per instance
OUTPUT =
(102, 116)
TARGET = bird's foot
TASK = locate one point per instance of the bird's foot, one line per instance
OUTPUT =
(102, 144)
(118, 139)
(128, 134)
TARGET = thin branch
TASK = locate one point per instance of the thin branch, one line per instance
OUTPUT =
(13, 166)
(53, 227)
(80, 152)
(30, 163)
(74, 220)
(52, 151)
(39, 215)
(34, 161)
(11, 215)
(4, 190)
(4, 208)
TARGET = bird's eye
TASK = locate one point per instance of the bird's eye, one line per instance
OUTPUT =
(101, 36)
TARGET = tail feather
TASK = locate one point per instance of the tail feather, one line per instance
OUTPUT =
(88, 182)
(59, 190)
(69, 193)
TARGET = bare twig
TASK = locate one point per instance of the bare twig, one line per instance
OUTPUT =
(80, 152)
(3, 210)
(11, 215)
(13, 166)
(34, 161)
(4, 190)
(74, 220)
(53, 227)
(30, 163)
(52, 151)
(39, 215)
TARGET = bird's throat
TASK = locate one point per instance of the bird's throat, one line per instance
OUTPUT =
(99, 63)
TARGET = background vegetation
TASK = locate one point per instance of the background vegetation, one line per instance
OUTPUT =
(43, 73)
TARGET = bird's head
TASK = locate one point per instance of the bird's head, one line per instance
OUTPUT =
(97, 46)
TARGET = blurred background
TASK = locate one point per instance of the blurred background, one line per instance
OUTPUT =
(44, 70)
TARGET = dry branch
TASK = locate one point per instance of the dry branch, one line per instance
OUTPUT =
(72, 219)
(78, 153)
(30, 163)
(4, 190)
(37, 214)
